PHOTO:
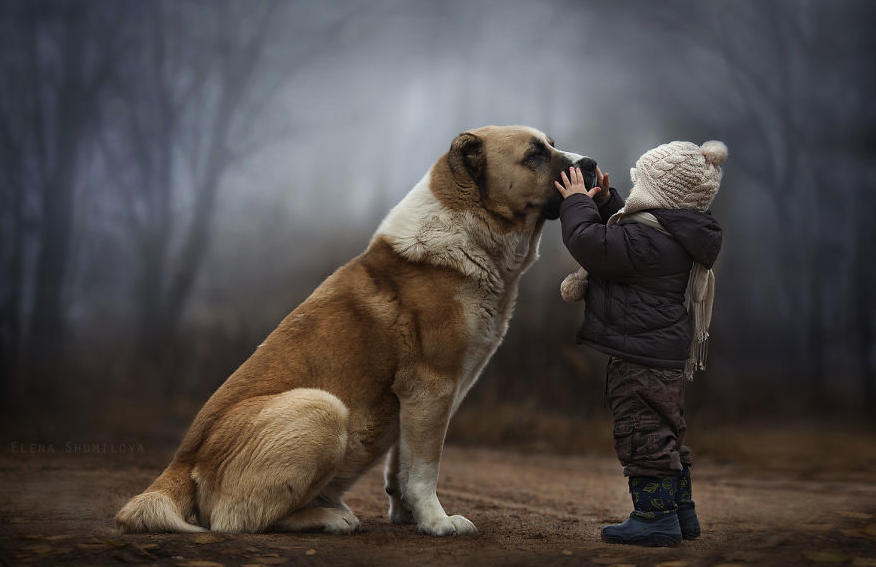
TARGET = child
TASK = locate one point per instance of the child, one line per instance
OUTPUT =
(649, 300)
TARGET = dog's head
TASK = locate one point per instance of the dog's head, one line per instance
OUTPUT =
(514, 169)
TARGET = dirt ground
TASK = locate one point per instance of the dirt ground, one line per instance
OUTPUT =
(57, 504)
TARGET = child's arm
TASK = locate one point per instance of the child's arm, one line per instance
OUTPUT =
(600, 250)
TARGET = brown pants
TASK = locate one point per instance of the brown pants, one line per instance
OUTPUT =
(648, 418)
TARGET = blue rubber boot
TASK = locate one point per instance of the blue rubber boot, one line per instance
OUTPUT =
(653, 521)
(687, 514)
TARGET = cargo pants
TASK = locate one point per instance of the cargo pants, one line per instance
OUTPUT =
(647, 405)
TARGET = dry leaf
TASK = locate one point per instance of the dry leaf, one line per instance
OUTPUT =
(566, 552)
(825, 557)
(870, 530)
(34, 536)
(864, 562)
(92, 545)
(310, 552)
(677, 563)
(40, 548)
(208, 538)
(59, 537)
(271, 560)
(200, 563)
(856, 515)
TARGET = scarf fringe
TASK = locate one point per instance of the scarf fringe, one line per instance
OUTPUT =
(699, 297)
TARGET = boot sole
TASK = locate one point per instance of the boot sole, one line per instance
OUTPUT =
(653, 540)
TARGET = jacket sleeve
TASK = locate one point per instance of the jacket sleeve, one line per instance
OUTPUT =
(602, 251)
(611, 206)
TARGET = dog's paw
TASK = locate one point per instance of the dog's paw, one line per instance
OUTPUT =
(399, 514)
(342, 524)
(447, 526)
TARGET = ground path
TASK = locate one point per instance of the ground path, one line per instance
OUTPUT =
(57, 507)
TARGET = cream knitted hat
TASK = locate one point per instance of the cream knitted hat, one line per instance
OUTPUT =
(677, 175)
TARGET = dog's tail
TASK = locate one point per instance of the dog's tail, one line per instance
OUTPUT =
(164, 506)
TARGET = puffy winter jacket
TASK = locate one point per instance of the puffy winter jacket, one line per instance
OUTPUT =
(638, 277)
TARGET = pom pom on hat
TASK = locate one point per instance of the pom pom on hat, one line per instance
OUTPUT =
(574, 286)
(715, 152)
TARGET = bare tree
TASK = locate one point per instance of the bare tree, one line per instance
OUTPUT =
(61, 63)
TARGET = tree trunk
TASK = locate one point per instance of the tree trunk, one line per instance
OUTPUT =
(47, 328)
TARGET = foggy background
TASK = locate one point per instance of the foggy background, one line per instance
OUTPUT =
(178, 175)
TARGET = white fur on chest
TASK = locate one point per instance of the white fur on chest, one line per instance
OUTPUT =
(421, 229)
(487, 318)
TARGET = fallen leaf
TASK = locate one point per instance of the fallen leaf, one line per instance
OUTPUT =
(870, 530)
(59, 537)
(40, 548)
(147, 545)
(113, 542)
(825, 556)
(310, 552)
(678, 563)
(856, 515)
(92, 545)
(271, 560)
(208, 538)
(34, 536)
(566, 552)
(864, 562)
(201, 563)
(608, 560)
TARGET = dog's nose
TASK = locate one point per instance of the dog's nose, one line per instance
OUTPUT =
(586, 164)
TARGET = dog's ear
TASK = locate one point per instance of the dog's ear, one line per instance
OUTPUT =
(468, 160)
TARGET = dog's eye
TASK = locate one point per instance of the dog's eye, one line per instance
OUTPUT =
(534, 158)
(537, 155)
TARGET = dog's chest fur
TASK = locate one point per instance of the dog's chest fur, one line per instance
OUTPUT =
(421, 229)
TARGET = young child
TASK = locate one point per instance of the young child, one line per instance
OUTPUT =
(649, 298)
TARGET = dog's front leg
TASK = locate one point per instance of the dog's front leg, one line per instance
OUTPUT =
(424, 414)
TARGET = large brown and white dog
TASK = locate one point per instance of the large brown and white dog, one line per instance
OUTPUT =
(375, 361)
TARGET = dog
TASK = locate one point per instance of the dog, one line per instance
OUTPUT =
(375, 362)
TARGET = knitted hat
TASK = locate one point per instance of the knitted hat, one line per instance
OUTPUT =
(677, 175)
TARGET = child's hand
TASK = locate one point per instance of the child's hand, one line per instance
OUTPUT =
(574, 183)
(604, 185)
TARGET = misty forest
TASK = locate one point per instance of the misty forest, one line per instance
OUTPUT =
(176, 176)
